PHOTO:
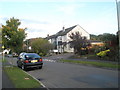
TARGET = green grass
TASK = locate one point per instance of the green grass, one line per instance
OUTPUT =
(20, 79)
(98, 64)
(1, 60)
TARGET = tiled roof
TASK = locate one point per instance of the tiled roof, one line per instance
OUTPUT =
(61, 32)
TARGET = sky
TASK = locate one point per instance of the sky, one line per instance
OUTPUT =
(43, 17)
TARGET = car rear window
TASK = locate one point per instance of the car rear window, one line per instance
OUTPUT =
(32, 56)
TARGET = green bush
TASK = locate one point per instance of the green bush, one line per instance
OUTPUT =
(103, 53)
(42, 54)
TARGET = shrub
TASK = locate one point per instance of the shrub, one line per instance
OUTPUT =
(103, 53)
(42, 54)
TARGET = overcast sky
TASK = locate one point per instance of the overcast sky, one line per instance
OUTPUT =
(42, 17)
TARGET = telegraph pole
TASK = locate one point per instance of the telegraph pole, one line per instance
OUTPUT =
(118, 19)
(118, 12)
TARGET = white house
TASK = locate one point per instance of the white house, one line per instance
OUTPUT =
(61, 39)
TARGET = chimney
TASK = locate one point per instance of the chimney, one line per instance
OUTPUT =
(48, 35)
(63, 28)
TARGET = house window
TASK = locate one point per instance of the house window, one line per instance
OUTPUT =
(61, 38)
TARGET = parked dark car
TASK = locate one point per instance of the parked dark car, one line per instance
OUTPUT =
(29, 60)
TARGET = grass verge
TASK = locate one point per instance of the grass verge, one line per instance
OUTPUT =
(99, 64)
(20, 79)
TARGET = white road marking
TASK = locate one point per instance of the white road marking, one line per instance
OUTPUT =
(48, 60)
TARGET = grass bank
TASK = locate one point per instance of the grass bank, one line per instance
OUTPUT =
(94, 63)
(20, 79)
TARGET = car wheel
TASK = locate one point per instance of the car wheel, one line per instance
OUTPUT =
(23, 67)
(40, 67)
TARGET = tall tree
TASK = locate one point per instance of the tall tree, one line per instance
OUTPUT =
(78, 43)
(12, 36)
(94, 37)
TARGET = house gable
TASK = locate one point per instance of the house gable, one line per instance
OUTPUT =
(80, 30)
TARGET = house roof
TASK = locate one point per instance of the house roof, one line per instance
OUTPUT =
(61, 32)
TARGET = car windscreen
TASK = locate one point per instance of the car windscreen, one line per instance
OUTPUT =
(32, 56)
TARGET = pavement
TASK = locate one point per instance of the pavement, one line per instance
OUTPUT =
(5, 82)
(0, 73)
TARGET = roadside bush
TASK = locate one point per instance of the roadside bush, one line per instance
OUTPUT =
(103, 53)
(41, 46)
(65, 52)
(113, 54)
(96, 49)
(42, 54)
(83, 52)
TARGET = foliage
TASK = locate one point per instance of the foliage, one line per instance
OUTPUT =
(94, 37)
(111, 42)
(103, 53)
(12, 36)
(79, 43)
(104, 37)
(41, 46)
(107, 37)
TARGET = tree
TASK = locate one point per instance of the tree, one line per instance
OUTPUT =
(12, 36)
(111, 43)
(41, 46)
(79, 43)
(94, 37)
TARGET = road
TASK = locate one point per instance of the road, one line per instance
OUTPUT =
(63, 75)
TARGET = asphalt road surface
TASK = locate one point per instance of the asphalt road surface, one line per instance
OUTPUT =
(64, 75)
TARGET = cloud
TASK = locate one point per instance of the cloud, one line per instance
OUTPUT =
(35, 35)
(40, 29)
(70, 8)
(34, 21)
(57, 0)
